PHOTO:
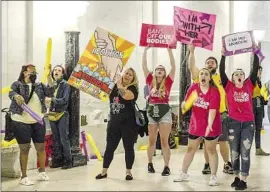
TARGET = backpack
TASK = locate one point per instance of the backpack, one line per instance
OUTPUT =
(9, 135)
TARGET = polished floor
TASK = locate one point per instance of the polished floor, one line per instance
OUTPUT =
(83, 178)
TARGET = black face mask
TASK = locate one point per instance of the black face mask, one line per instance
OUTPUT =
(33, 78)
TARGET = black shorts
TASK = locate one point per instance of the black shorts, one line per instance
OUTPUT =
(193, 137)
(25, 132)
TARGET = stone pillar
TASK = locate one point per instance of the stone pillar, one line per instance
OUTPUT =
(184, 83)
(72, 54)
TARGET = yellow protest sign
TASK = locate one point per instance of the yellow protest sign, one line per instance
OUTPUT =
(101, 62)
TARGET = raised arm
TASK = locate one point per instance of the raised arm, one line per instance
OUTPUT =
(254, 70)
(191, 63)
(172, 61)
(144, 62)
(223, 76)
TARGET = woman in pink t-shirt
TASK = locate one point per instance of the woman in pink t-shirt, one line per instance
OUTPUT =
(158, 110)
(241, 118)
(205, 123)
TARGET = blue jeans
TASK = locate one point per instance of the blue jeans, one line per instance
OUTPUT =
(240, 138)
(60, 132)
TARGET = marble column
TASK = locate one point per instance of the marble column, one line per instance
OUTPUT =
(184, 83)
(72, 54)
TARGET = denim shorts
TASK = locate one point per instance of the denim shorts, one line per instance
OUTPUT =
(193, 137)
(167, 118)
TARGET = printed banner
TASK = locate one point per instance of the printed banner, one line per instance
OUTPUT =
(100, 64)
(237, 43)
(196, 27)
(157, 36)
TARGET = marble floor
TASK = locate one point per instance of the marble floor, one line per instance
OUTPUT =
(83, 178)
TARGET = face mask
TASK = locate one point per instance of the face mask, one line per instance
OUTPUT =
(33, 78)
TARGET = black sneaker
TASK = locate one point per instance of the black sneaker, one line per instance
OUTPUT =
(166, 171)
(151, 168)
(228, 168)
(206, 169)
(129, 177)
(235, 182)
(100, 176)
(242, 185)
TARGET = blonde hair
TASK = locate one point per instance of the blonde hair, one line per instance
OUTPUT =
(135, 81)
(161, 89)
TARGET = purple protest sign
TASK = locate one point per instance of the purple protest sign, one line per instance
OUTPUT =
(260, 55)
(84, 144)
(32, 113)
(238, 43)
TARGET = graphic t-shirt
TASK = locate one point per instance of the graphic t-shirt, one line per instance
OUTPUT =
(154, 95)
(240, 101)
(120, 107)
(200, 111)
(217, 80)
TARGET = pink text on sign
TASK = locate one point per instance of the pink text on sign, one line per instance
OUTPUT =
(196, 27)
(157, 36)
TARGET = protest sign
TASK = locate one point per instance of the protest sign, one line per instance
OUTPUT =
(237, 43)
(101, 63)
(157, 36)
(196, 27)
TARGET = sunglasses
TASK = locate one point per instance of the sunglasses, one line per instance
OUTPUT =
(160, 69)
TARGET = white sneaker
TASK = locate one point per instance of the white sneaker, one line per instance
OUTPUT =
(213, 180)
(26, 181)
(43, 176)
(183, 176)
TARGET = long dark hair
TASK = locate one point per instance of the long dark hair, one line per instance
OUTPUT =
(24, 68)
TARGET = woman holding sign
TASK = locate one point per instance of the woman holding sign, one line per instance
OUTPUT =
(159, 111)
(241, 118)
(205, 123)
(122, 123)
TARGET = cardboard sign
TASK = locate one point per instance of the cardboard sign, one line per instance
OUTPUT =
(161, 36)
(196, 27)
(237, 43)
(101, 63)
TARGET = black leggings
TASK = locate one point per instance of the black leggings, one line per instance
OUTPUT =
(259, 115)
(128, 131)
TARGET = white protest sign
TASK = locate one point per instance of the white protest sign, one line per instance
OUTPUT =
(238, 43)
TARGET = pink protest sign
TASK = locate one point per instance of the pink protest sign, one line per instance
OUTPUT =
(157, 36)
(237, 43)
(196, 27)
